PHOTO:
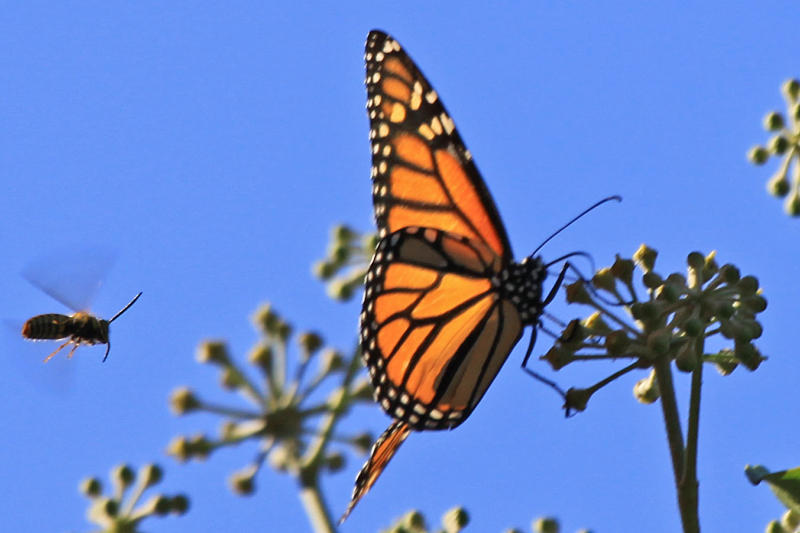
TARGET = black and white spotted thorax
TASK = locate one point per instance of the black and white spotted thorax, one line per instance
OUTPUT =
(521, 284)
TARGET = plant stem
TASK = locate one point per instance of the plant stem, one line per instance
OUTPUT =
(685, 486)
(315, 508)
(672, 421)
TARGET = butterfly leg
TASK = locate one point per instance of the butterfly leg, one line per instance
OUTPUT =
(547, 300)
(46, 359)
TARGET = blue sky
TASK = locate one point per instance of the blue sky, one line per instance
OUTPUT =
(213, 146)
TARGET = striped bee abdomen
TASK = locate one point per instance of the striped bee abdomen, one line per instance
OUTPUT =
(48, 326)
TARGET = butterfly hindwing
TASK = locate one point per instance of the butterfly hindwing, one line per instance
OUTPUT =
(434, 328)
(380, 454)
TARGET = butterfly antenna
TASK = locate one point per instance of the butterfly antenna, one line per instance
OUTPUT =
(568, 224)
(125, 308)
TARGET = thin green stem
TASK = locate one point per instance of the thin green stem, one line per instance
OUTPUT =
(672, 421)
(316, 510)
(687, 488)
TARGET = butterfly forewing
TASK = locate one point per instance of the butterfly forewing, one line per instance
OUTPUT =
(423, 175)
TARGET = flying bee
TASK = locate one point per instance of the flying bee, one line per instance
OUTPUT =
(78, 328)
(72, 276)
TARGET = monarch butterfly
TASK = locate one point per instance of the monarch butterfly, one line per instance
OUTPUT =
(444, 302)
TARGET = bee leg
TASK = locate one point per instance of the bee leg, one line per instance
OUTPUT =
(72, 351)
(46, 359)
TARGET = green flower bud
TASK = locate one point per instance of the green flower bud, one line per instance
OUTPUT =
(558, 357)
(725, 367)
(230, 379)
(214, 352)
(180, 504)
(795, 110)
(310, 341)
(646, 390)
(748, 355)
(774, 527)
(747, 286)
(778, 145)
(414, 521)
(242, 482)
(758, 155)
(686, 359)
(103, 510)
(573, 333)
(773, 121)
(659, 341)
(645, 257)
(183, 401)
(160, 504)
(455, 520)
(200, 446)
(617, 342)
(362, 443)
(577, 293)
(790, 521)
(339, 290)
(91, 487)
(695, 260)
(724, 310)
(604, 279)
(595, 324)
(668, 293)
(342, 233)
(792, 204)
(151, 474)
(279, 458)
(693, 327)
(545, 525)
(179, 448)
(730, 273)
(623, 269)
(261, 356)
(123, 476)
(334, 461)
(791, 89)
(324, 270)
(577, 399)
(266, 319)
(646, 311)
(339, 253)
(756, 303)
(652, 280)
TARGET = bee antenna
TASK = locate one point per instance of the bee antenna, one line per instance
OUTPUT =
(122, 311)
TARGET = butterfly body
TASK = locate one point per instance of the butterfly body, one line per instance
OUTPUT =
(444, 300)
